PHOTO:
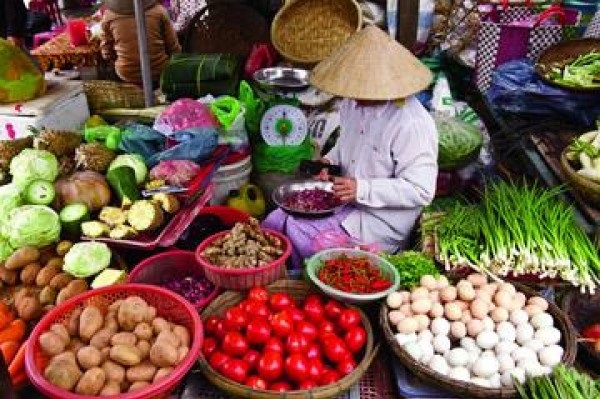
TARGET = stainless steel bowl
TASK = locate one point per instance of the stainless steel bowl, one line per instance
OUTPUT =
(291, 78)
(281, 192)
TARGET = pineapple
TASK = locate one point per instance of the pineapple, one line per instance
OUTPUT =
(11, 148)
(94, 156)
(58, 142)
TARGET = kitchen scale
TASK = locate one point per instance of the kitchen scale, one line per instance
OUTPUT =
(284, 125)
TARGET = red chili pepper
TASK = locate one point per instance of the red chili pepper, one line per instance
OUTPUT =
(353, 275)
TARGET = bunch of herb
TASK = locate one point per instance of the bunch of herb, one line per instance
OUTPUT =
(411, 266)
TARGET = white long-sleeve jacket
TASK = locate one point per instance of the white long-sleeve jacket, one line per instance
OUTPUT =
(391, 150)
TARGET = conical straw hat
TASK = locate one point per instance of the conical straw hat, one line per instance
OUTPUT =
(371, 66)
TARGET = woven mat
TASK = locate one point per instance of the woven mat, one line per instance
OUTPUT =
(59, 53)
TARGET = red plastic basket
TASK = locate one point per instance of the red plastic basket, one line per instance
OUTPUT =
(168, 305)
(244, 279)
(175, 263)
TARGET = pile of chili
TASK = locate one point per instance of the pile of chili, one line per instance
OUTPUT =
(353, 275)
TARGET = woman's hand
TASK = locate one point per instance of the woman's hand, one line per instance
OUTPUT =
(324, 173)
(345, 188)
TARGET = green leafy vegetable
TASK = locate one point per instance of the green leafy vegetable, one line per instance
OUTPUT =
(411, 266)
(32, 165)
(135, 162)
(10, 198)
(32, 225)
(5, 249)
(584, 71)
(86, 259)
(459, 142)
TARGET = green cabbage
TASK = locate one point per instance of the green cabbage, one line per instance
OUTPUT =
(32, 165)
(10, 198)
(32, 225)
(85, 259)
(459, 142)
(5, 249)
(135, 162)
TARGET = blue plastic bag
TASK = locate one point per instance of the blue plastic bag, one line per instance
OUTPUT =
(517, 88)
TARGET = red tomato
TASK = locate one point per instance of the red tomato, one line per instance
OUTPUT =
(333, 309)
(258, 331)
(296, 367)
(334, 349)
(235, 319)
(349, 318)
(329, 377)
(313, 351)
(346, 366)
(273, 345)
(326, 327)
(234, 344)
(217, 359)
(270, 366)
(220, 329)
(210, 325)
(313, 298)
(313, 311)
(235, 370)
(280, 301)
(280, 387)
(282, 324)
(295, 314)
(296, 343)
(257, 309)
(258, 294)
(251, 358)
(255, 382)
(355, 339)
(308, 384)
(209, 346)
(315, 369)
(307, 329)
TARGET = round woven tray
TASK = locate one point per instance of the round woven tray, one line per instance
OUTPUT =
(298, 290)
(307, 31)
(584, 310)
(568, 341)
(588, 189)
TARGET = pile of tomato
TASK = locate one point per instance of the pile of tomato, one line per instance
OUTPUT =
(270, 342)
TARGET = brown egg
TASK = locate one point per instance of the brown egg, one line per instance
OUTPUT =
(419, 292)
(479, 309)
(477, 279)
(466, 316)
(508, 287)
(474, 327)
(448, 294)
(437, 310)
(503, 299)
(422, 322)
(406, 309)
(539, 302)
(452, 311)
(421, 306)
(532, 310)
(499, 314)
(458, 330)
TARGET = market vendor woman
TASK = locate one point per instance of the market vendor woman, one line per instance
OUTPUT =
(387, 147)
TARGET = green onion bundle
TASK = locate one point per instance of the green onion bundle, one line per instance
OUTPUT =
(519, 230)
(563, 383)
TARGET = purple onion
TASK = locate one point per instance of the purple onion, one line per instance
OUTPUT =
(192, 288)
(311, 200)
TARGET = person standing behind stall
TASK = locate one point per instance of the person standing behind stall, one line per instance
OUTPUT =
(13, 17)
(120, 39)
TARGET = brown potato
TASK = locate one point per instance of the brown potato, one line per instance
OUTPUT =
(60, 330)
(28, 308)
(126, 355)
(138, 385)
(63, 247)
(150, 314)
(123, 338)
(142, 372)
(183, 334)
(63, 373)
(114, 371)
(110, 388)
(143, 331)
(45, 275)
(48, 295)
(162, 373)
(114, 307)
(57, 262)
(102, 338)
(52, 344)
(75, 287)
(105, 352)
(8, 276)
(168, 337)
(90, 323)
(75, 345)
(91, 382)
(183, 351)
(159, 325)
(131, 312)
(163, 354)
(30, 272)
(73, 322)
(60, 281)
(47, 308)
(89, 357)
(144, 348)
(66, 357)
(22, 257)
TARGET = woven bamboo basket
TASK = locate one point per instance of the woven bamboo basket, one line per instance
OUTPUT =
(298, 290)
(468, 390)
(588, 189)
(106, 94)
(307, 31)
(584, 310)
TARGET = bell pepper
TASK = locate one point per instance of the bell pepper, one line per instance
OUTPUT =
(109, 135)
(592, 332)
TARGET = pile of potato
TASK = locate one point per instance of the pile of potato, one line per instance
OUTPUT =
(40, 280)
(124, 350)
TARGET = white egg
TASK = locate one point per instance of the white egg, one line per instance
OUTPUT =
(459, 373)
(518, 374)
(441, 344)
(506, 379)
(524, 333)
(488, 324)
(407, 325)
(414, 350)
(403, 339)
(523, 354)
(396, 317)
(481, 382)
(532, 368)
(505, 347)
(541, 320)
(518, 316)
(425, 336)
(506, 362)
(440, 326)
(548, 335)
(394, 300)
(438, 363)
(550, 356)
(487, 339)
(485, 367)
(457, 357)
(506, 331)
(487, 353)
(427, 351)
(495, 381)
(534, 344)
(473, 356)
(469, 344)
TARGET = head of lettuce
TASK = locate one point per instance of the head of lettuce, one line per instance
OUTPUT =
(31, 225)
(32, 165)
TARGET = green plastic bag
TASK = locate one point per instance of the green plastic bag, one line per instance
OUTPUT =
(20, 79)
